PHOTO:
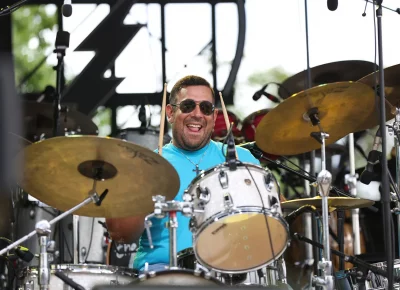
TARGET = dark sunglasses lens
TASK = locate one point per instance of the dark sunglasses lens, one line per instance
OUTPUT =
(187, 106)
(206, 108)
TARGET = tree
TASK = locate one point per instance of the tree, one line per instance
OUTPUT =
(33, 29)
(260, 78)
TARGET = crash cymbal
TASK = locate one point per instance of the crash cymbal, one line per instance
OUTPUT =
(333, 203)
(349, 70)
(392, 93)
(341, 107)
(61, 171)
(38, 120)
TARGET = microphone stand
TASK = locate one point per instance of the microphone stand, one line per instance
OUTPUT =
(62, 43)
(387, 217)
(12, 8)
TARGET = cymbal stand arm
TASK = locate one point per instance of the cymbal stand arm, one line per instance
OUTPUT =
(324, 180)
(351, 181)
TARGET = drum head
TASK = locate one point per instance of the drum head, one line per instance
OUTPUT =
(241, 242)
(177, 278)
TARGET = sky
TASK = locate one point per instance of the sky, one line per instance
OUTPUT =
(275, 37)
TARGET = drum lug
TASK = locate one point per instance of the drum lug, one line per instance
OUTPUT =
(223, 179)
(228, 203)
(203, 194)
(268, 179)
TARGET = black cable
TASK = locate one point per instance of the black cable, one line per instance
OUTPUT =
(294, 164)
(9, 9)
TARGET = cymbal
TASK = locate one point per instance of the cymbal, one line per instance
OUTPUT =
(60, 172)
(38, 119)
(341, 107)
(349, 70)
(333, 203)
(392, 93)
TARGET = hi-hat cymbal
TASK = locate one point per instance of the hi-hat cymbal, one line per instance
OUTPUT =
(341, 107)
(392, 93)
(61, 171)
(39, 119)
(333, 203)
(349, 70)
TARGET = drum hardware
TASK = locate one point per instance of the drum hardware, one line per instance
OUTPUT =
(163, 207)
(351, 181)
(43, 231)
(359, 263)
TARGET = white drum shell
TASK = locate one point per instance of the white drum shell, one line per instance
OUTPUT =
(247, 196)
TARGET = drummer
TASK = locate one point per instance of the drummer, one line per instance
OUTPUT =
(192, 114)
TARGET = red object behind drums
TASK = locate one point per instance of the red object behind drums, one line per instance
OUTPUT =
(249, 126)
(220, 130)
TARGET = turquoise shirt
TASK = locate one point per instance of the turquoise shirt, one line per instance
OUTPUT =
(207, 157)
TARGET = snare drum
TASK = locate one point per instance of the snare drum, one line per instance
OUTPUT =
(88, 276)
(237, 224)
(177, 277)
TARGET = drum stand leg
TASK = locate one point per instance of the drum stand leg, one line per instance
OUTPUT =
(75, 235)
(172, 226)
(351, 181)
(324, 180)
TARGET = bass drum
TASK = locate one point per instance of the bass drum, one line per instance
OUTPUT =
(147, 138)
(178, 277)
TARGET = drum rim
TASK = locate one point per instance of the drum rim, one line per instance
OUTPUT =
(225, 165)
(88, 268)
(198, 273)
(246, 209)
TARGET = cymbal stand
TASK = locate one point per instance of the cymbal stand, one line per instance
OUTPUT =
(351, 181)
(161, 208)
(324, 181)
(42, 229)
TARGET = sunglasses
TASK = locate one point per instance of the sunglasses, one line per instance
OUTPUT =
(188, 105)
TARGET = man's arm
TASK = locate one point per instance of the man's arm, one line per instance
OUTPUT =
(126, 230)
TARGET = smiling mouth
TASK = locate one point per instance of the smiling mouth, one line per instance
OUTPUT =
(194, 127)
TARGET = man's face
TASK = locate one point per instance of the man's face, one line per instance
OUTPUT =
(191, 131)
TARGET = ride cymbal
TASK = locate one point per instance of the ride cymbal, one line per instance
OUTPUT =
(340, 107)
(348, 70)
(392, 93)
(333, 203)
(61, 171)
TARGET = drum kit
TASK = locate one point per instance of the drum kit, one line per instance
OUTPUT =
(238, 220)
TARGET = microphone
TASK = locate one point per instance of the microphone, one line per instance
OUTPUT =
(258, 94)
(332, 5)
(294, 214)
(22, 252)
(373, 159)
(67, 8)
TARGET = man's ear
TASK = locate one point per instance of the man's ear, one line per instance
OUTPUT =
(169, 111)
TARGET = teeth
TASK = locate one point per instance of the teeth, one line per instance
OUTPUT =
(195, 126)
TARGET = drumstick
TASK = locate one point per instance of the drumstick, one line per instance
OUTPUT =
(226, 117)
(162, 121)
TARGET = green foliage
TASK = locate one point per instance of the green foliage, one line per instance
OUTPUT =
(33, 27)
(260, 78)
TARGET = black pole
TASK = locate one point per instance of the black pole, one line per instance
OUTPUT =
(387, 215)
(214, 46)
(312, 154)
(163, 49)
